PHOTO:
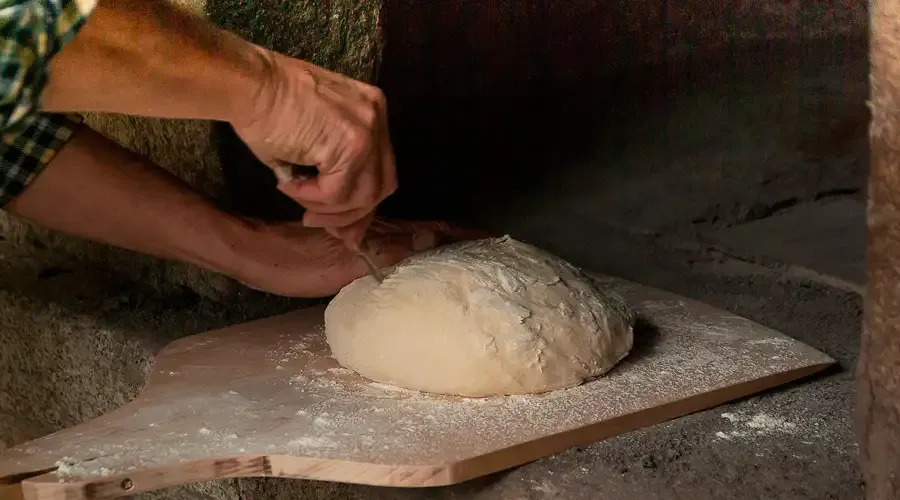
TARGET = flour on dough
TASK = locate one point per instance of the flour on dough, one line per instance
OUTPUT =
(479, 318)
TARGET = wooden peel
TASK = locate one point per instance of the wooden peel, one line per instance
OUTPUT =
(11, 492)
(265, 398)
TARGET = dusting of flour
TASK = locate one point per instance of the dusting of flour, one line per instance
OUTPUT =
(745, 426)
(316, 409)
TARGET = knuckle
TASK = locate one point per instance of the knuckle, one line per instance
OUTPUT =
(378, 97)
(374, 94)
(368, 114)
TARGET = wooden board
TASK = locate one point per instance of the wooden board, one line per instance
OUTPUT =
(266, 399)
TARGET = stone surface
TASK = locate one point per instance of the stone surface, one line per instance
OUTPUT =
(443, 49)
(621, 176)
(826, 236)
(878, 389)
(341, 35)
(656, 170)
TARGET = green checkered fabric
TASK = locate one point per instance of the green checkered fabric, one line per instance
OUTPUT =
(31, 33)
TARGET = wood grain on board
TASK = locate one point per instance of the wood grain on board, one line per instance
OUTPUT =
(266, 399)
(11, 492)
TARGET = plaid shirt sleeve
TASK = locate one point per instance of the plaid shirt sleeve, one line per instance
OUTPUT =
(31, 33)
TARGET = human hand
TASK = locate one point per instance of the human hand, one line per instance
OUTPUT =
(306, 115)
(291, 260)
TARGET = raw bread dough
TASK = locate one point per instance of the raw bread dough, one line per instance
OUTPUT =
(481, 318)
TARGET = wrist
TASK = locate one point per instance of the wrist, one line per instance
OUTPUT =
(263, 81)
(233, 258)
(247, 85)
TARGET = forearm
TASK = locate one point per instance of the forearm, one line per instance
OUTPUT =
(95, 189)
(149, 58)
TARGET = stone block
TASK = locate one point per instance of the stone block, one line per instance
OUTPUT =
(878, 370)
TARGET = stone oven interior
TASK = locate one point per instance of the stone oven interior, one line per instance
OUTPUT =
(718, 150)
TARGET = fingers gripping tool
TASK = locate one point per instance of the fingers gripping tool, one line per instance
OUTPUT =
(306, 172)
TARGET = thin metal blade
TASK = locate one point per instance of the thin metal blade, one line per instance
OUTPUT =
(370, 263)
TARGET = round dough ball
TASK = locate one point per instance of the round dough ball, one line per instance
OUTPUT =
(479, 318)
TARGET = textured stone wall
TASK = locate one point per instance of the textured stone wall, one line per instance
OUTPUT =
(878, 388)
(463, 46)
(78, 342)
(478, 76)
(474, 83)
